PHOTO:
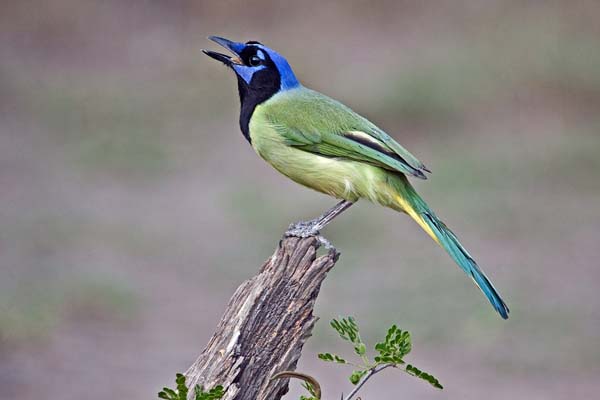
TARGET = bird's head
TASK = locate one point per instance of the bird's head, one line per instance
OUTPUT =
(261, 72)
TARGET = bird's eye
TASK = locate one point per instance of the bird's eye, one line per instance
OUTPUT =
(255, 60)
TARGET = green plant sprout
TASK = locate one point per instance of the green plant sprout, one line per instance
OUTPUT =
(181, 392)
(390, 353)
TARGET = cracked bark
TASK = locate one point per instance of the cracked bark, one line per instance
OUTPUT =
(266, 323)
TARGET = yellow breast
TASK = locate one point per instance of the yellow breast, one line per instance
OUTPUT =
(340, 178)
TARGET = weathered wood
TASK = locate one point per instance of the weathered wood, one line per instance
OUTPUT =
(265, 325)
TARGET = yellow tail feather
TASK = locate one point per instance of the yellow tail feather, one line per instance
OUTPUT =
(408, 208)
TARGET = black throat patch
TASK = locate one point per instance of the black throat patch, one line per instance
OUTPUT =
(263, 85)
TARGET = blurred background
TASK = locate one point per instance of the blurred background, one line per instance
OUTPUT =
(131, 206)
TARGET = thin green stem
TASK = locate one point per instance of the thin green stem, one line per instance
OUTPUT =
(372, 371)
(365, 360)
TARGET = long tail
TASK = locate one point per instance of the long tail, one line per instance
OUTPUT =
(407, 200)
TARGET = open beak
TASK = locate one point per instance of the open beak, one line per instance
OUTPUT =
(234, 47)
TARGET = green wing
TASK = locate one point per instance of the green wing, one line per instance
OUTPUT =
(318, 124)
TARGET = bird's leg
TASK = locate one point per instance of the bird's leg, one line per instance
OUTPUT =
(312, 227)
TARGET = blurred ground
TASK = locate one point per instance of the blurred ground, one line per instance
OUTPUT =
(126, 183)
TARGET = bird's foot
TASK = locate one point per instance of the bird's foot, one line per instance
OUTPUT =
(304, 229)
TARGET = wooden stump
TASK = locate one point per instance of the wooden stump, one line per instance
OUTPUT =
(265, 325)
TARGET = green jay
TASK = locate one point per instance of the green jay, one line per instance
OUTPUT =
(324, 145)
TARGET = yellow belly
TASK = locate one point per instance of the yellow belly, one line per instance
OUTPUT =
(342, 179)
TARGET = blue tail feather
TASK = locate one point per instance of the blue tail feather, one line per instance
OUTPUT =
(450, 243)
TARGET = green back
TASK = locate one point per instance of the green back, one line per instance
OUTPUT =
(316, 123)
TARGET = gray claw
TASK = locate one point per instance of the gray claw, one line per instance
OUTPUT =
(325, 243)
(302, 229)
